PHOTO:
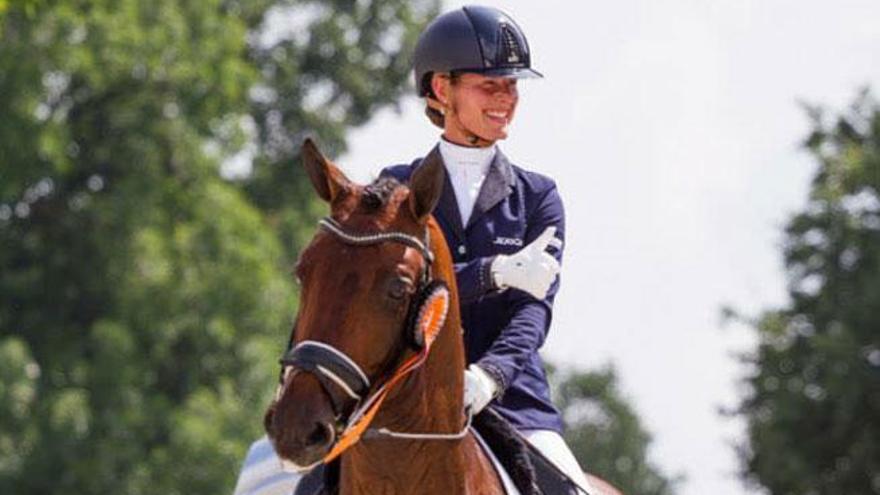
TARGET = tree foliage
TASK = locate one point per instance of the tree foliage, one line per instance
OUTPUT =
(605, 434)
(144, 295)
(354, 58)
(813, 402)
(144, 298)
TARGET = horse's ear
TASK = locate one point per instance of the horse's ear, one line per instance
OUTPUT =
(426, 185)
(328, 180)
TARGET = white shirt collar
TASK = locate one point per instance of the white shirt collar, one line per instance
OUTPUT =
(467, 169)
(462, 159)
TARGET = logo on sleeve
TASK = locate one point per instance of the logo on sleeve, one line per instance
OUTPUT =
(508, 241)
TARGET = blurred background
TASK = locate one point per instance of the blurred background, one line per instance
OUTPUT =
(718, 326)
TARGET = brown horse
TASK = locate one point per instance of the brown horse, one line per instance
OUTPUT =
(370, 348)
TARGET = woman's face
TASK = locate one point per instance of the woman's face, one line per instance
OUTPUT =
(476, 105)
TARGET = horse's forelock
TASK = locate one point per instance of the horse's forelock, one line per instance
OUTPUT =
(377, 195)
(381, 202)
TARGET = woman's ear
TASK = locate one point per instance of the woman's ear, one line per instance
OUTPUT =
(440, 86)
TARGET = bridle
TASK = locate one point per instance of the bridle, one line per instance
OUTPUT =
(337, 371)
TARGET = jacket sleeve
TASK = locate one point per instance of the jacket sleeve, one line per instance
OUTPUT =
(530, 318)
(474, 278)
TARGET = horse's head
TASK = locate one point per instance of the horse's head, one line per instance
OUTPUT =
(359, 278)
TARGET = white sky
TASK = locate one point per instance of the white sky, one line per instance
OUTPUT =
(672, 129)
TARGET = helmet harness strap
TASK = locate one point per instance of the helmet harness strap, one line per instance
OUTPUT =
(473, 138)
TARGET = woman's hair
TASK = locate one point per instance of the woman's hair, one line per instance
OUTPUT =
(435, 116)
(432, 109)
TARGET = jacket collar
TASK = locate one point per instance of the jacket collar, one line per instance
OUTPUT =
(497, 186)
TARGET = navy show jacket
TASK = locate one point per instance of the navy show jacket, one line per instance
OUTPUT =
(503, 330)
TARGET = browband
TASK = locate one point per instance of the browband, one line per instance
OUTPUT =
(379, 237)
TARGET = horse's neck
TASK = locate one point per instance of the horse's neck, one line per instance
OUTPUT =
(429, 401)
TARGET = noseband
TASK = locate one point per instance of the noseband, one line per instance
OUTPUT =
(336, 370)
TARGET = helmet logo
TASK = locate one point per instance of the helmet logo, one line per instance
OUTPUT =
(511, 45)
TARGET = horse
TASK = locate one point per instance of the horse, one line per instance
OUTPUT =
(373, 375)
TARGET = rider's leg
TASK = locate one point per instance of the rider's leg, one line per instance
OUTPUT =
(261, 473)
(554, 448)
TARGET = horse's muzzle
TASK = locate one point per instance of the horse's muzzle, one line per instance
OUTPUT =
(301, 423)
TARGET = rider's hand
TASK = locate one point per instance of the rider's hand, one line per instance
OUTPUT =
(532, 269)
(479, 388)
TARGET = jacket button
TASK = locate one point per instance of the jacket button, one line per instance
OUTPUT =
(462, 249)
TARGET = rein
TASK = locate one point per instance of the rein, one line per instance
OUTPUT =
(333, 367)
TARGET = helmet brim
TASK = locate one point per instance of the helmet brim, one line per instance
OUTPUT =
(511, 72)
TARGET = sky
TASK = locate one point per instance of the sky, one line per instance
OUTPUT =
(673, 130)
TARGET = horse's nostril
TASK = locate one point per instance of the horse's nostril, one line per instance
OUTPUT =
(321, 435)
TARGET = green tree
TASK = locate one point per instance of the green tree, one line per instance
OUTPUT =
(605, 434)
(144, 299)
(813, 401)
(353, 59)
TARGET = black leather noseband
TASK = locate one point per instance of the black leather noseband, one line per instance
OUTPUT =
(333, 369)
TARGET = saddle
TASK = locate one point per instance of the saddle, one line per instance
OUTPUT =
(532, 473)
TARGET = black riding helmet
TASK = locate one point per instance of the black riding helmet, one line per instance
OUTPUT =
(473, 39)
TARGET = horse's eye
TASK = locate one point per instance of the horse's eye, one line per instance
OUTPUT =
(399, 288)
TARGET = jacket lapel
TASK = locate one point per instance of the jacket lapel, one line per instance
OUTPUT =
(496, 187)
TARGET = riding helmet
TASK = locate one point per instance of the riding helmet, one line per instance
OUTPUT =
(472, 39)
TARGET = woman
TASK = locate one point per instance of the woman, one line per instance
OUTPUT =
(504, 224)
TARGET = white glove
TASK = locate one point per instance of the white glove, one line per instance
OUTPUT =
(479, 388)
(532, 269)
